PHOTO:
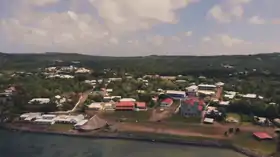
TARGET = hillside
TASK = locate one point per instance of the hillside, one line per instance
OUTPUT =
(148, 64)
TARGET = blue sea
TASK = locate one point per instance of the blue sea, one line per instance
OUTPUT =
(18, 144)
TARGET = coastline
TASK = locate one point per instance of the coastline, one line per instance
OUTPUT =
(142, 137)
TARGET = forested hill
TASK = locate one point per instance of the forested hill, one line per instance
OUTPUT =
(147, 64)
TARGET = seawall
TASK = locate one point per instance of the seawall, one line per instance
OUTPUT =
(144, 137)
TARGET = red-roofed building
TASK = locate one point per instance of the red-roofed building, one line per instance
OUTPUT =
(166, 102)
(141, 106)
(262, 136)
(192, 106)
(125, 105)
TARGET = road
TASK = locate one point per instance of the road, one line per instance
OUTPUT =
(80, 102)
(166, 113)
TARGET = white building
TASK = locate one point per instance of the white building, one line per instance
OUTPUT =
(44, 121)
(80, 124)
(96, 106)
(115, 79)
(69, 119)
(230, 94)
(192, 90)
(60, 76)
(109, 90)
(220, 84)
(207, 89)
(30, 116)
(108, 107)
(180, 81)
(224, 103)
(208, 120)
(128, 99)
(40, 100)
(48, 116)
(168, 77)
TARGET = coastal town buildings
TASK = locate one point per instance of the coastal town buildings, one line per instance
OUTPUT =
(40, 118)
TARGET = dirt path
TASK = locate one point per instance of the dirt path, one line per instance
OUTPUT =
(164, 130)
(81, 100)
(158, 115)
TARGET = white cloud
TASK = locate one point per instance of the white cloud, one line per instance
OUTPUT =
(77, 31)
(228, 11)
(119, 27)
(188, 33)
(206, 39)
(256, 20)
(156, 40)
(176, 38)
(128, 15)
(41, 3)
(224, 40)
(276, 21)
(229, 41)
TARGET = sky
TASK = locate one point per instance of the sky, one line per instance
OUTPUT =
(140, 27)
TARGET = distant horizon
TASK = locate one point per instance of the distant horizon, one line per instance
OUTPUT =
(140, 28)
(73, 53)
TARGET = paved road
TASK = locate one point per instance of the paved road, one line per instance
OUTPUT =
(80, 102)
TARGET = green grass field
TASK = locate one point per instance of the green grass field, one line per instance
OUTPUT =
(234, 115)
(130, 116)
(248, 141)
(180, 118)
(173, 137)
(61, 127)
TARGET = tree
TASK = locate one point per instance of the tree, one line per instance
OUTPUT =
(230, 130)
(97, 97)
(145, 97)
(237, 130)
(271, 112)
(226, 133)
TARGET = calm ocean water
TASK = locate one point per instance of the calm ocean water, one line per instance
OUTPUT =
(16, 144)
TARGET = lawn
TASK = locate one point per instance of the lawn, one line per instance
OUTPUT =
(196, 128)
(248, 141)
(61, 127)
(180, 118)
(128, 115)
(234, 115)
(172, 137)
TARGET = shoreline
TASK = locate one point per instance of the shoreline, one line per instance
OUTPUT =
(142, 137)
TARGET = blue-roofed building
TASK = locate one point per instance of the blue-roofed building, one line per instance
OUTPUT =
(176, 95)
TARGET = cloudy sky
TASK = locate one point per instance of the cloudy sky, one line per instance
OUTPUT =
(140, 27)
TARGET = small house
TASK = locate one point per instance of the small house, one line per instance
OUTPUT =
(96, 106)
(45, 121)
(262, 136)
(141, 106)
(125, 105)
(208, 120)
(166, 102)
(40, 100)
(79, 125)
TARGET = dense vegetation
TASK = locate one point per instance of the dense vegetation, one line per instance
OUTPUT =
(244, 74)
(165, 65)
